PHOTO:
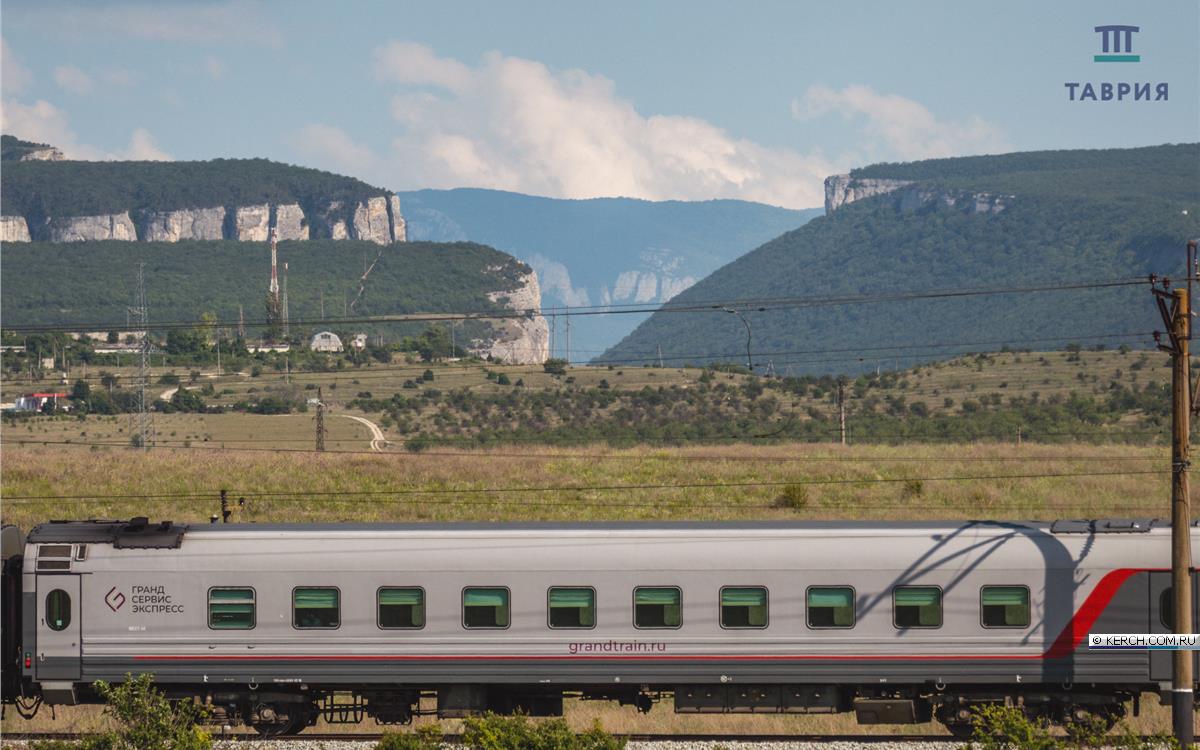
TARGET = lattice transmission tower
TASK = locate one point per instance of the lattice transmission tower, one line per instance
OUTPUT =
(141, 419)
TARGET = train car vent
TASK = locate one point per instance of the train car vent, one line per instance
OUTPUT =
(54, 557)
(1103, 526)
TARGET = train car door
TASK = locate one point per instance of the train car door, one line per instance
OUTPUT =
(58, 627)
(1161, 622)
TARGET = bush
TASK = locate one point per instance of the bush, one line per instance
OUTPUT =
(794, 496)
(425, 737)
(148, 720)
(493, 732)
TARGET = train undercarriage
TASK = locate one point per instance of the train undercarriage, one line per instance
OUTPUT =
(273, 712)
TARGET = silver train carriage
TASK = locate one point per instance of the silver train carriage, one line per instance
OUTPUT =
(277, 625)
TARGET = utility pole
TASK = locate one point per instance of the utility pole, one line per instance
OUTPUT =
(241, 324)
(568, 322)
(841, 402)
(320, 421)
(1175, 308)
(660, 362)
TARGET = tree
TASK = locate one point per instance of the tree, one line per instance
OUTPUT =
(187, 401)
(80, 391)
(555, 366)
(109, 380)
(113, 337)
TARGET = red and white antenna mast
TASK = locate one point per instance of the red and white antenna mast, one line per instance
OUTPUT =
(274, 288)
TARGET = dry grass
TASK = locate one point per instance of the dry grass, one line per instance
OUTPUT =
(725, 482)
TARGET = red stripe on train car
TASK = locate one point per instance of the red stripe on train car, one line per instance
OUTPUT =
(1067, 642)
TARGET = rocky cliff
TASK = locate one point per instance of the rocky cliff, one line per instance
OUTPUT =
(519, 340)
(375, 219)
(842, 189)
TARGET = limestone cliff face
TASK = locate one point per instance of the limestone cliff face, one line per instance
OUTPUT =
(843, 189)
(521, 340)
(43, 154)
(14, 229)
(173, 226)
(377, 219)
(251, 223)
(81, 228)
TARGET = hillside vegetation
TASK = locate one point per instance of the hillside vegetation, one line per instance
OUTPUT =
(85, 188)
(93, 282)
(1074, 217)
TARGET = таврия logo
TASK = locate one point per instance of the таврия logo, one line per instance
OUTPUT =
(1116, 45)
(114, 599)
(1119, 40)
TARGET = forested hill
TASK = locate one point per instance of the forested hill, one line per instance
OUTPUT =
(1028, 219)
(88, 188)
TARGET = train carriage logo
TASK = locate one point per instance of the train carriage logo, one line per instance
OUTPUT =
(114, 599)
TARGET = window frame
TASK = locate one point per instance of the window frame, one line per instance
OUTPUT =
(462, 606)
(633, 612)
(46, 609)
(1028, 600)
(853, 608)
(595, 609)
(424, 608)
(721, 609)
(941, 607)
(338, 589)
(254, 604)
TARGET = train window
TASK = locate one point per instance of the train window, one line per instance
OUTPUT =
(1166, 608)
(231, 609)
(743, 607)
(830, 607)
(58, 609)
(485, 608)
(657, 607)
(316, 607)
(1004, 606)
(572, 607)
(917, 606)
(401, 607)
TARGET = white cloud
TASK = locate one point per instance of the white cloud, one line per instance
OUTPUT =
(514, 124)
(73, 79)
(14, 77)
(118, 77)
(899, 128)
(326, 144)
(142, 147)
(42, 122)
(240, 21)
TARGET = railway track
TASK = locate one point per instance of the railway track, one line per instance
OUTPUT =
(861, 739)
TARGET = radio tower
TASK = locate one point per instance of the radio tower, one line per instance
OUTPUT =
(141, 421)
(283, 305)
(273, 309)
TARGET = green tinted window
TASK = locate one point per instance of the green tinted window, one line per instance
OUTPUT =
(58, 609)
(485, 608)
(572, 607)
(231, 609)
(657, 608)
(744, 607)
(830, 607)
(401, 608)
(315, 608)
(1004, 606)
(917, 606)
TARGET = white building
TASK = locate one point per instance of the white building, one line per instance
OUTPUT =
(326, 341)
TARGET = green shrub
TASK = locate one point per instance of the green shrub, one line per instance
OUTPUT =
(494, 732)
(148, 720)
(794, 496)
(425, 737)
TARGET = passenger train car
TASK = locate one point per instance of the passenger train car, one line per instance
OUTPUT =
(275, 625)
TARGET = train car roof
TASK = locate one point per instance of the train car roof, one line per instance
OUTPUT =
(139, 533)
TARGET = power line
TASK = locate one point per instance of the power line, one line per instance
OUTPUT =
(755, 304)
(600, 487)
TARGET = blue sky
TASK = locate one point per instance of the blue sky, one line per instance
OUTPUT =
(658, 100)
